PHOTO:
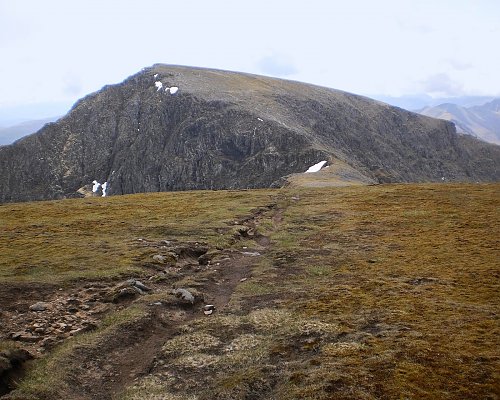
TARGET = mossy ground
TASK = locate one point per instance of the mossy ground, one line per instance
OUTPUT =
(386, 291)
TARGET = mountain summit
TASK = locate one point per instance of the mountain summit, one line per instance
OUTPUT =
(179, 128)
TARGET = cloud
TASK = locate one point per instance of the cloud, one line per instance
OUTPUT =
(442, 85)
(277, 65)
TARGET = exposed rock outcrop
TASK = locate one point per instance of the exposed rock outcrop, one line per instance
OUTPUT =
(221, 130)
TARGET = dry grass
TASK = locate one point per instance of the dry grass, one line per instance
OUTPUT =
(379, 292)
(411, 272)
(97, 237)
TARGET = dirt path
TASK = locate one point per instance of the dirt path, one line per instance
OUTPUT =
(105, 371)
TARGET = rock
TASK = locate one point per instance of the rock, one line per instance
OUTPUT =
(184, 295)
(29, 338)
(16, 335)
(126, 290)
(208, 309)
(159, 258)
(118, 294)
(64, 327)
(40, 306)
(141, 286)
(251, 253)
(166, 258)
(138, 290)
(47, 341)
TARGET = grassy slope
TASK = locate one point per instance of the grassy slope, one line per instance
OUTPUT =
(97, 237)
(365, 292)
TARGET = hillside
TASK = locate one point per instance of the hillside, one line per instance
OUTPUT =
(387, 291)
(482, 121)
(173, 128)
(12, 133)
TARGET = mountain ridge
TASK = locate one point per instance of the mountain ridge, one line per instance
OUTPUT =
(481, 121)
(228, 130)
(10, 134)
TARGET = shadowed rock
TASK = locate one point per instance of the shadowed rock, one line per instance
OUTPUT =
(223, 130)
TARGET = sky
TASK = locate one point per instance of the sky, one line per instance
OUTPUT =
(54, 52)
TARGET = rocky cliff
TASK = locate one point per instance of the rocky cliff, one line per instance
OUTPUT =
(179, 128)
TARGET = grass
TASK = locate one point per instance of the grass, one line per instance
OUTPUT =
(379, 292)
(412, 272)
(96, 238)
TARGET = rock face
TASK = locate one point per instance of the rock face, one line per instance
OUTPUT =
(177, 128)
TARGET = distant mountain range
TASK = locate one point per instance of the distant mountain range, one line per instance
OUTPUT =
(482, 121)
(10, 134)
(419, 101)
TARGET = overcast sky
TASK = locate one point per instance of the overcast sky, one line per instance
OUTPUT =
(60, 50)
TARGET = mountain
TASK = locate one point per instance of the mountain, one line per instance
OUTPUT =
(13, 133)
(482, 121)
(172, 128)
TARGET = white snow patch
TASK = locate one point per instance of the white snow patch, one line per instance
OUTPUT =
(158, 85)
(174, 89)
(260, 119)
(316, 167)
(155, 75)
(96, 186)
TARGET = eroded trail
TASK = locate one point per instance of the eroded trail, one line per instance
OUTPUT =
(115, 358)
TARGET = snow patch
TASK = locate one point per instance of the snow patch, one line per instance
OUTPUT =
(174, 89)
(260, 119)
(316, 167)
(155, 76)
(96, 186)
(158, 85)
